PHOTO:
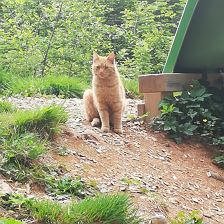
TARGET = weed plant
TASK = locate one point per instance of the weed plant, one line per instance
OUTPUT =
(184, 218)
(197, 111)
(19, 153)
(22, 140)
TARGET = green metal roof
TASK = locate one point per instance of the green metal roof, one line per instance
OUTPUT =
(198, 45)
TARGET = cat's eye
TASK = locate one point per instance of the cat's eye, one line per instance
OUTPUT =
(98, 67)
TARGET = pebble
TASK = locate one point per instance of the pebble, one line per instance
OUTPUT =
(159, 219)
(5, 188)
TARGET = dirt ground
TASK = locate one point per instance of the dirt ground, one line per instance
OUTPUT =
(160, 175)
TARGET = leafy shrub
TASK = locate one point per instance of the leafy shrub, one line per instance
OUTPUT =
(34, 42)
(192, 218)
(219, 161)
(197, 111)
(68, 186)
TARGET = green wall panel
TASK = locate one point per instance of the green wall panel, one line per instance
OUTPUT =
(198, 45)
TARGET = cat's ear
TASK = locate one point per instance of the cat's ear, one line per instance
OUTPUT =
(95, 56)
(111, 57)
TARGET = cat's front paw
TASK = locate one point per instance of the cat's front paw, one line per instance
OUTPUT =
(95, 122)
(118, 130)
(105, 129)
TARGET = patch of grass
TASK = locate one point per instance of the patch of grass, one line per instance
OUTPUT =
(22, 142)
(45, 121)
(65, 86)
(102, 209)
(105, 209)
(131, 88)
(58, 85)
(9, 221)
(6, 107)
(19, 153)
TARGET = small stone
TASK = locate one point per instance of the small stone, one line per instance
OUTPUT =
(5, 188)
(195, 200)
(158, 219)
(208, 215)
(167, 145)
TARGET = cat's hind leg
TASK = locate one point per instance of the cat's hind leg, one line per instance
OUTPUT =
(91, 113)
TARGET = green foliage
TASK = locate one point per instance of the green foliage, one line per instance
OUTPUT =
(197, 111)
(20, 142)
(59, 85)
(47, 37)
(192, 218)
(19, 153)
(219, 161)
(67, 185)
(102, 209)
(9, 221)
(6, 107)
(131, 88)
(45, 121)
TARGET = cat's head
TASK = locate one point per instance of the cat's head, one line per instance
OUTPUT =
(103, 67)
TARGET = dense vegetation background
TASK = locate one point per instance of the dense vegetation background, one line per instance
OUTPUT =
(45, 37)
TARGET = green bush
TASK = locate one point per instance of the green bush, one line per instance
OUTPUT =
(198, 111)
(42, 38)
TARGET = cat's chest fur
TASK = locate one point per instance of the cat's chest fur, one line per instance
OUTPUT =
(107, 92)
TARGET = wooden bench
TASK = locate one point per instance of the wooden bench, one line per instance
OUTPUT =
(155, 87)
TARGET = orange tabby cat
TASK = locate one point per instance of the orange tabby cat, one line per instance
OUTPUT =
(105, 102)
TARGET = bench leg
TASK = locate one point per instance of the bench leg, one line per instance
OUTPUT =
(151, 103)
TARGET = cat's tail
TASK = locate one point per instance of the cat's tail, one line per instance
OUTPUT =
(91, 113)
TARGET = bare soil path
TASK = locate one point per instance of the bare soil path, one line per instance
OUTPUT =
(160, 175)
